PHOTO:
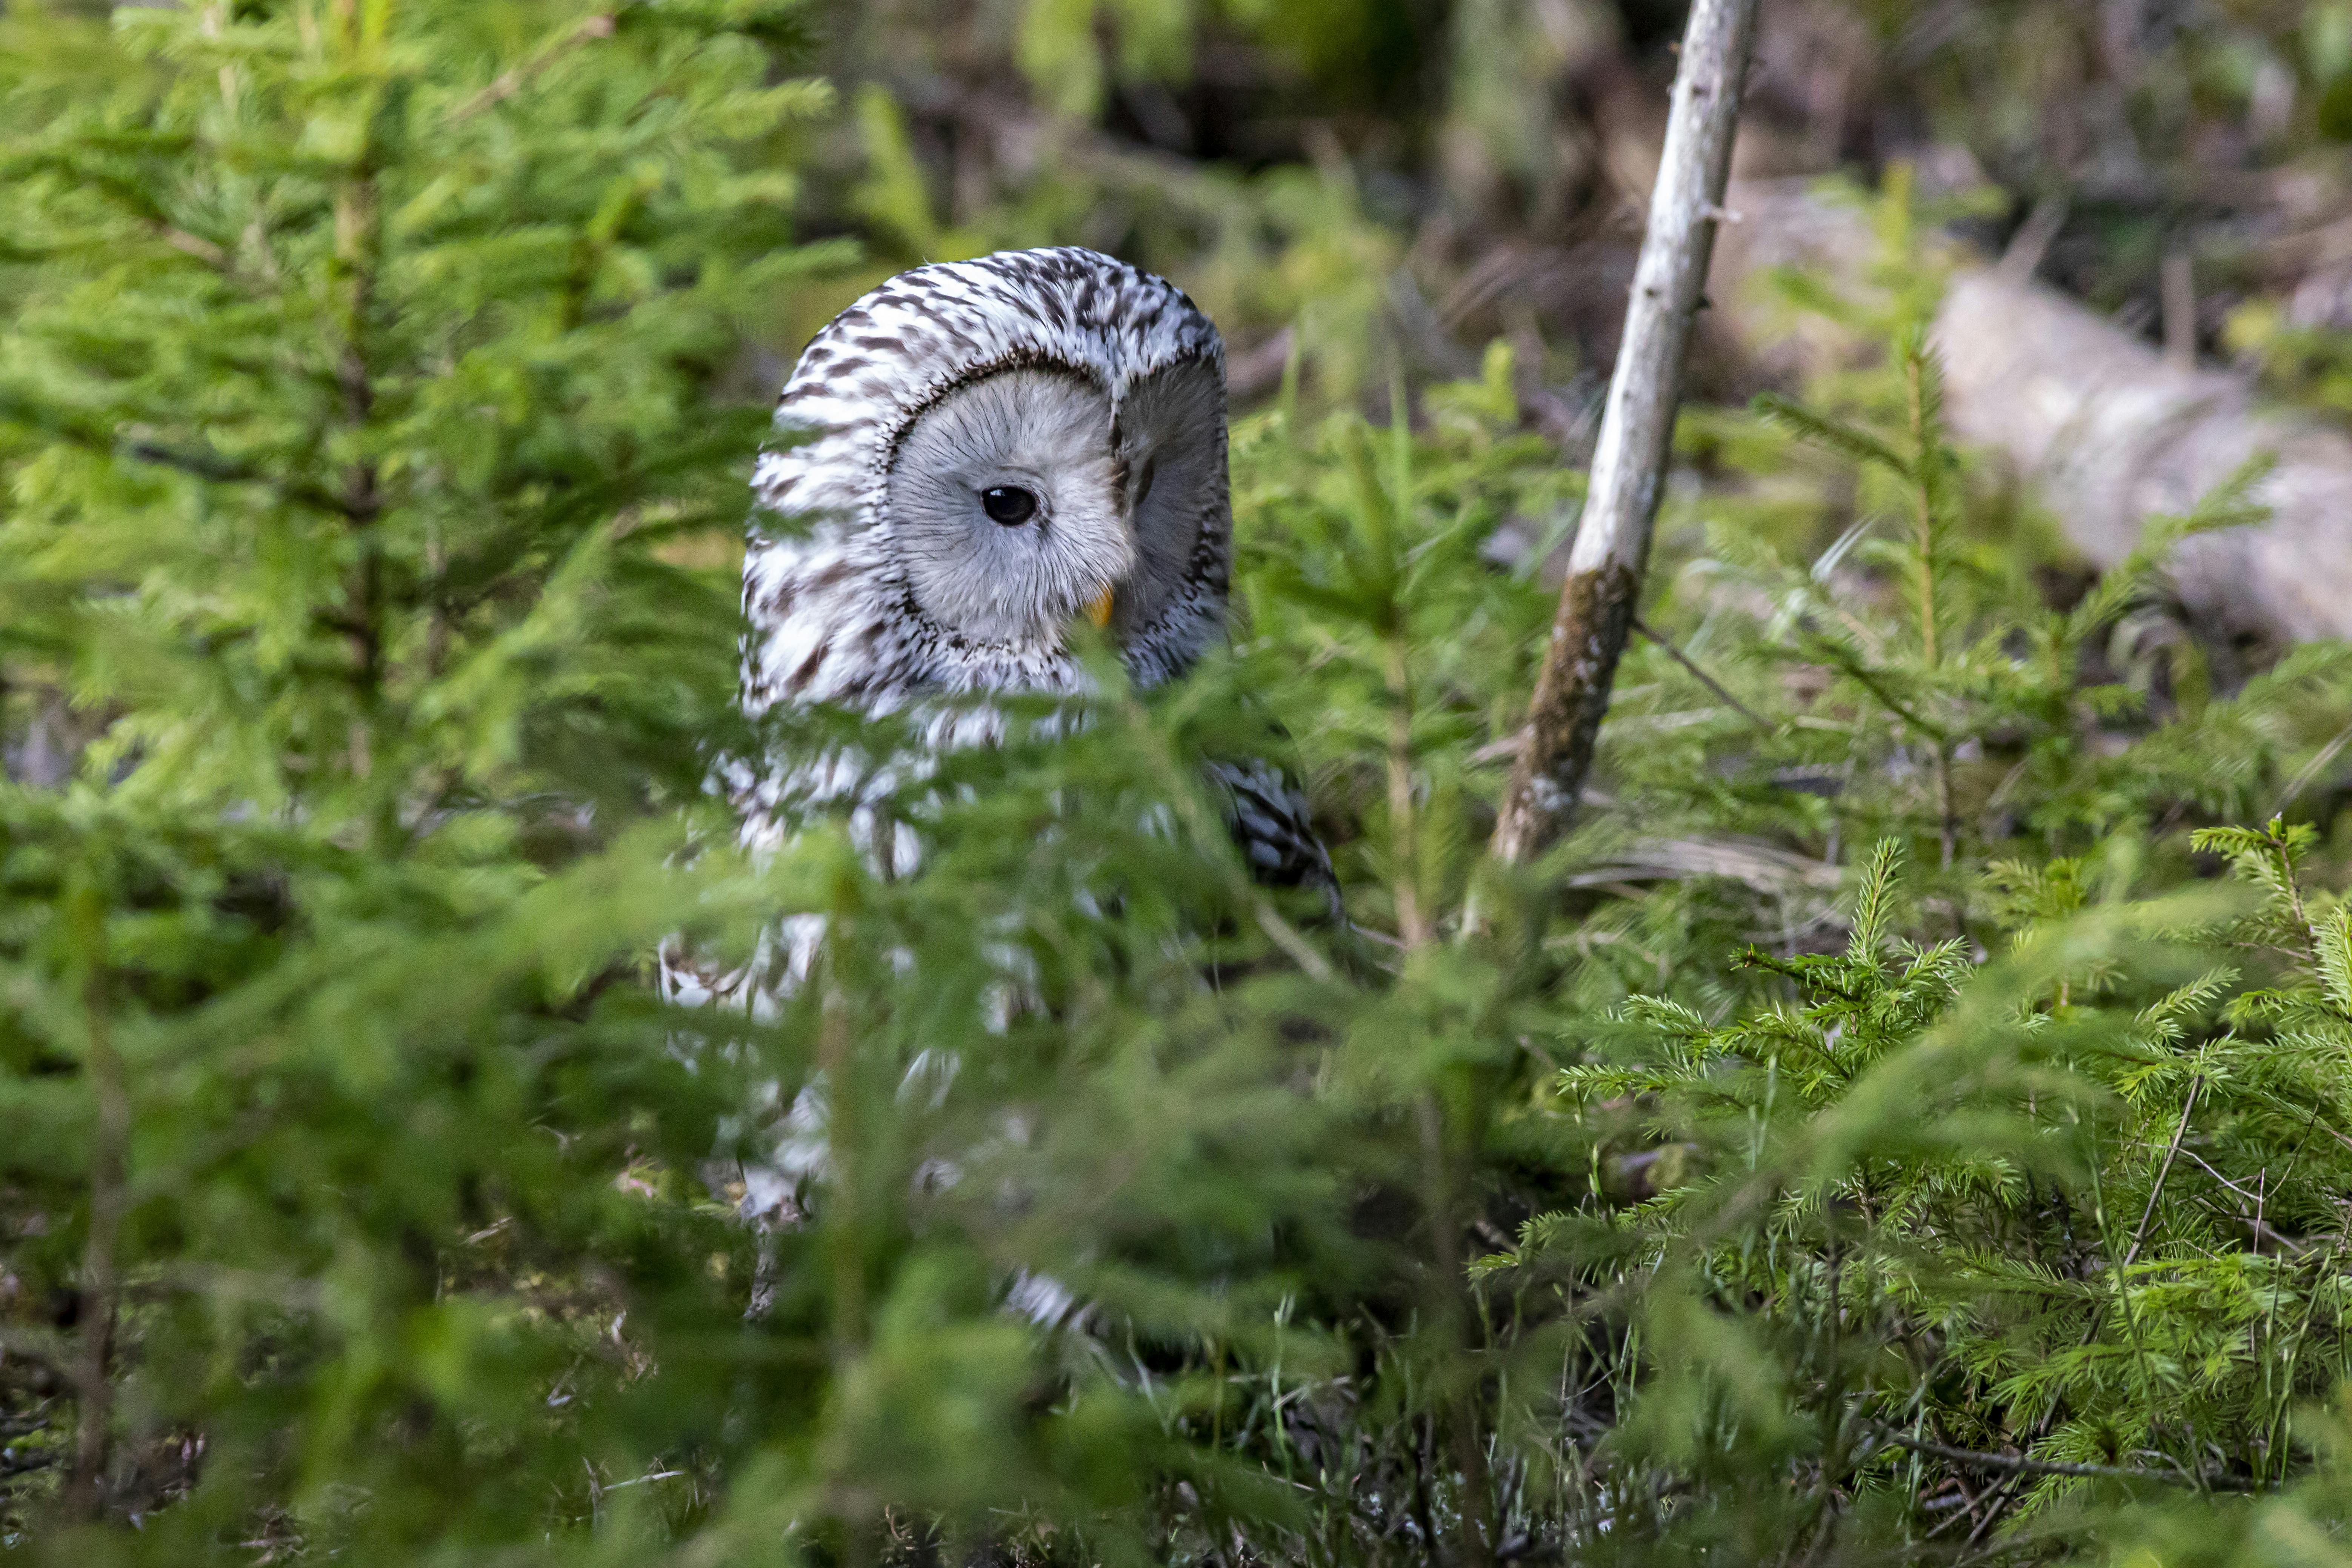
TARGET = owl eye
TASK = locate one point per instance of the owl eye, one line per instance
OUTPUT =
(1008, 503)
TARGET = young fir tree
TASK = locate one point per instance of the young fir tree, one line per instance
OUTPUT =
(366, 362)
(1890, 1134)
(366, 375)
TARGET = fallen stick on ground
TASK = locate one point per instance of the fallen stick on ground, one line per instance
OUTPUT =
(2102, 427)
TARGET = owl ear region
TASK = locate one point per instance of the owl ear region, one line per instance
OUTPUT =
(1170, 439)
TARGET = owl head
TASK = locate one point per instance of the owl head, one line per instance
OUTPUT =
(978, 458)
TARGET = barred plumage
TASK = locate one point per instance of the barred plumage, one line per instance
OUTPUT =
(969, 457)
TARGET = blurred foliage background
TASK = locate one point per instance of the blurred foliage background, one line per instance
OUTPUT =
(1491, 156)
(1910, 1119)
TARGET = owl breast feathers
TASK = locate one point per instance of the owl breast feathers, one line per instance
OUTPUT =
(974, 458)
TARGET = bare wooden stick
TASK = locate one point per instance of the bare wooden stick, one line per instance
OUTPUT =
(1612, 543)
(2019, 1464)
(601, 25)
(1701, 676)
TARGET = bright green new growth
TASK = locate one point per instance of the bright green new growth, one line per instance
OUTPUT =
(1884, 1062)
(361, 370)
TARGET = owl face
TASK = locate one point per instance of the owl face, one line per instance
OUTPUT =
(1006, 509)
(1025, 500)
(986, 455)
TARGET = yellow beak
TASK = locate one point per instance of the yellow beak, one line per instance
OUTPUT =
(1099, 611)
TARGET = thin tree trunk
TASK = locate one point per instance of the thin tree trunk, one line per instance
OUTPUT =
(1598, 601)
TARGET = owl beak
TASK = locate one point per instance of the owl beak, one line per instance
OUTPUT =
(1099, 611)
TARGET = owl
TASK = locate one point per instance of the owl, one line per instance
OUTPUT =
(974, 459)
(980, 455)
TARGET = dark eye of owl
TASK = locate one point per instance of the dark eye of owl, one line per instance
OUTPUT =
(1008, 503)
(1143, 483)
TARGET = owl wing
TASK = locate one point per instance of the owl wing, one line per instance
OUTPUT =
(1272, 823)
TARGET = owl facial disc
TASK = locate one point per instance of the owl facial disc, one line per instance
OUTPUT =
(1005, 509)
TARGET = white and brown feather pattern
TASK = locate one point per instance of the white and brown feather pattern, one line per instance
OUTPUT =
(835, 619)
(839, 563)
(1275, 827)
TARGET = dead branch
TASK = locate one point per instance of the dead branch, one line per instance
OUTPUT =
(2019, 1464)
(1598, 599)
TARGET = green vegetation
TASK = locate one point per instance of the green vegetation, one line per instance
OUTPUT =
(1933, 1047)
